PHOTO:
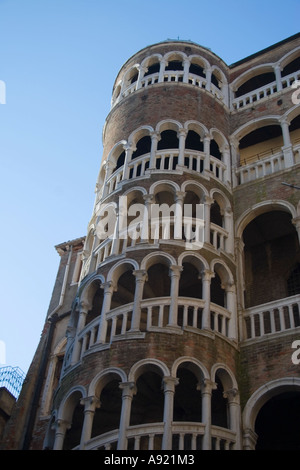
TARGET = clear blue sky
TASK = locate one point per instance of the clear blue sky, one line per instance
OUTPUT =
(59, 60)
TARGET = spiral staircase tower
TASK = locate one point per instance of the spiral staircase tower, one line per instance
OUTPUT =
(172, 323)
(156, 315)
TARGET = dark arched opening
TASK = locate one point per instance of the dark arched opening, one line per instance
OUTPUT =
(278, 423)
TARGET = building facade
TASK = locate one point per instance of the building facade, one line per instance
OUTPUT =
(179, 329)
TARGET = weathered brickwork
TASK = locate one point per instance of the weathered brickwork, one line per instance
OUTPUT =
(200, 334)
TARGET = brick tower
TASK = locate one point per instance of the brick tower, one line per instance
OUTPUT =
(165, 332)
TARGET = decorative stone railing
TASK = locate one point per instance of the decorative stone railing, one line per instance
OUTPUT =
(165, 160)
(260, 168)
(173, 76)
(155, 314)
(272, 318)
(264, 91)
(186, 436)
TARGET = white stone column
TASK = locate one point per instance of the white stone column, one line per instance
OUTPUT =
(232, 308)
(235, 422)
(61, 427)
(277, 71)
(174, 274)
(287, 145)
(116, 241)
(140, 278)
(142, 71)
(84, 308)
(227, 163)
(208, 74)
(207, 204)
(128, 153)
(109, 288)
(181, 135)
(108, 167)
(178, 219)
(206, 390)
(229, 227)
(162, 68)
(206, 148)
(155, 137)
(169, 390)
(186, 68)
(207, 275)
(128, 390)
(239, 253)
(146, 228)
(90, 405)
(234, 144)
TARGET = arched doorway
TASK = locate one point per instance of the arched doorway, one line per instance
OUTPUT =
(278, 423)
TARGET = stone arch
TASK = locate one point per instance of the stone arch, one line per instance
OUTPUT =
(116, 91)
(157, 257)
(164, 185)
(220, 139)
(145, 364)
(69, 402)
(199, 60)
(197, 127)
(103, 377)
(223, 270)
(289, 57)
(200, 370)
(175, 55)
(228, 377)
(116, 152)
(258, 399)
(195, 258)
(261, 208)
(150, 60)
(195, 187)
(292, 113)
(168, 124)
(105, 388)
(221, 199)
(130, 75)
(138, 134)
(255, 124)
(89, 288)
(251, 73)
(219, 74)
(120, 267)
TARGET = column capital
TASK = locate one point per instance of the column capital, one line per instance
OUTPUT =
(155, 135)
(128, 389)
(232, 395)
(175, 270)
(108, 286)
(207, 386)
(228, 286)
(62, 425)
(90, 403)
(128, 146)
(182, 132)
(170, 383)
(141, 275)
(148, 198)
(207, 274)
(84, 306)
(179, 196)
(208, 200)
(239, 244)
